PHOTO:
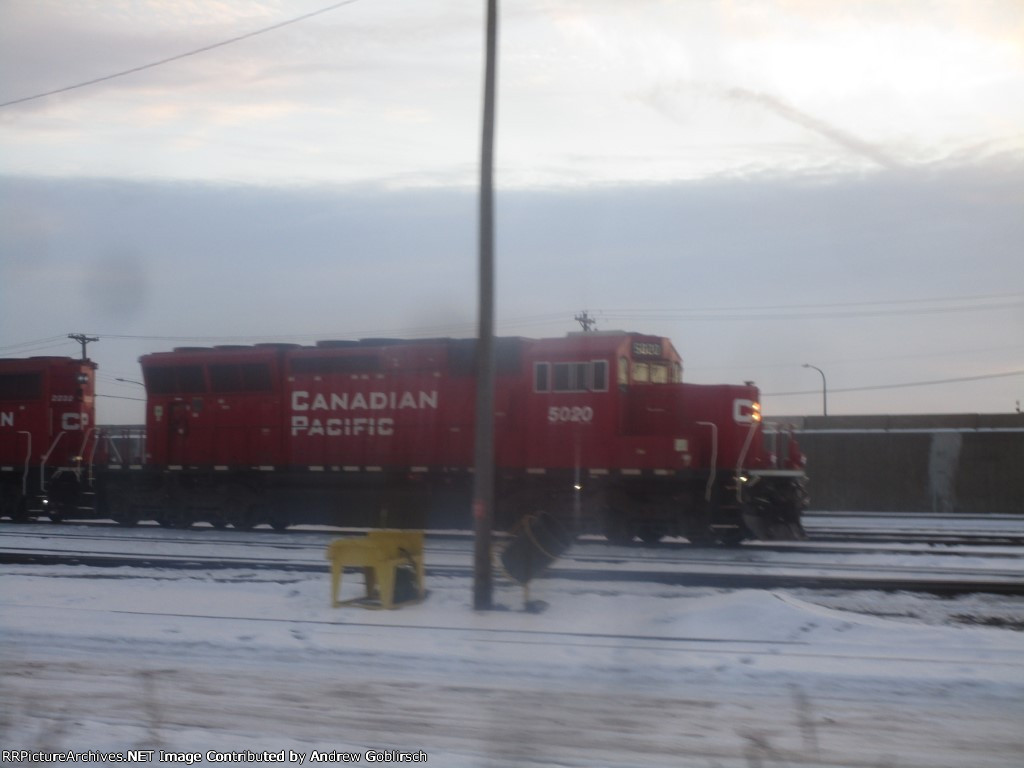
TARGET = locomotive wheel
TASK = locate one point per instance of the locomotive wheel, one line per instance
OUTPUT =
(121, 511)
(21, 513)
(128, 521)
(220, 525)
(650, 535)
(732, 538)
(619, 529)
(241, 515)
(279, 524)
(236, 507)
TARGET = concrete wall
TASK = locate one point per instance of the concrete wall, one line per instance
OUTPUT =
(962, 463)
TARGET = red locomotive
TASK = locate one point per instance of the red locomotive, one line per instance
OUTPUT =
(596, 428)
(47, 418)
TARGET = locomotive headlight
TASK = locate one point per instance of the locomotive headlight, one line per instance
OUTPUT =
(755, 411)
(578, 487)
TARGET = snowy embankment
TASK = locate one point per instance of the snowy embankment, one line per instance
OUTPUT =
(609, 675)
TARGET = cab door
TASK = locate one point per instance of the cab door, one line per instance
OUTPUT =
(178, 427)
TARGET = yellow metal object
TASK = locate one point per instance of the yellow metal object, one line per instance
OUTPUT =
(380, 554)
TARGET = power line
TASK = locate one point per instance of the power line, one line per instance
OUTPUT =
(797, 312)
(35, 344)
(904, 385)
(177, 57)
(836, 304)
(924, 356)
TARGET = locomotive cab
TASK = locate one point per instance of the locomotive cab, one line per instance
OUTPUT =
(651, 455)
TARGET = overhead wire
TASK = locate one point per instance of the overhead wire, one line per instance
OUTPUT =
(816, 311)
(34, 345)
(876, 302)
(904, 385)
(177, 57)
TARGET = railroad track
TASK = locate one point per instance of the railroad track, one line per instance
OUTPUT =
(809, 577)
(595, 551)
(913, 537)
(816, 564)
(825, 535)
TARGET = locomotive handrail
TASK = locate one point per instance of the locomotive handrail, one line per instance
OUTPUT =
(80, 455)
(46, 457)
(92, 453)
(779, 462)
(112, 445)
(28, 460)
(714, 458)
(742, 457)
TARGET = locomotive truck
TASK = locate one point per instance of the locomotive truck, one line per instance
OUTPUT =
(595, 428)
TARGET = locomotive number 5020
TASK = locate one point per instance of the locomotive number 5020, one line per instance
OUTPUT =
(575, 413)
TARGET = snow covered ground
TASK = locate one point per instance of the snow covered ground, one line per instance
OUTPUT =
(610, 674)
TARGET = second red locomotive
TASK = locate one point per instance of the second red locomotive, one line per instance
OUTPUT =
(47, 434)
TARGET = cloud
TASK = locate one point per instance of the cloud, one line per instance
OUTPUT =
(199, 260)
(792, 114)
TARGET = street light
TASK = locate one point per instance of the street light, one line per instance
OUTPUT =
(824, 388)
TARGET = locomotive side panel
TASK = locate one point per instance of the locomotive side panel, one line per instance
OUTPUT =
(213, 407)
(391, 407)
(570, 411)
(245, 409)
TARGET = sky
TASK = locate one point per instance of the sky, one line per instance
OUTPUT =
(768, 184)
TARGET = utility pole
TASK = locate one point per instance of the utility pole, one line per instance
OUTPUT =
(483, 478)
(587, 323)
(84, 340)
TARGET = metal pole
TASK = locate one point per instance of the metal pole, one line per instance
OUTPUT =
(824, 388)
(483, 479)
(84, 340)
